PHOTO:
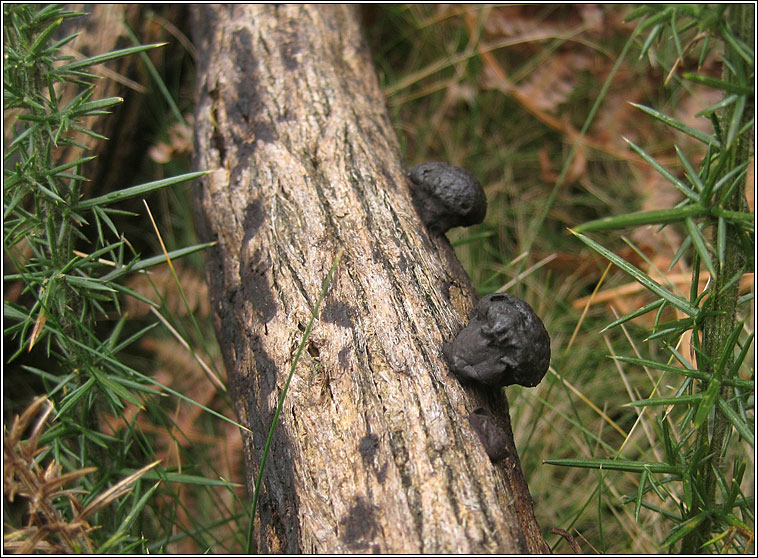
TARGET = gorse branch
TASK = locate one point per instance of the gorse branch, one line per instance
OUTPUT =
(719, 242)
(68, 283)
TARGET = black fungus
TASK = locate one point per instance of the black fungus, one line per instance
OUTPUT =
(446, 196)
(493, 437)
(506, 343)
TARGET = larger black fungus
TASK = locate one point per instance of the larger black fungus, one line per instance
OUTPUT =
(446, 196)
(506, 343)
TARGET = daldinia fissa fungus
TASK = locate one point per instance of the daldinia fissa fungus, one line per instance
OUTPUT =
(446, 196)
(493, 438)
(506, 343)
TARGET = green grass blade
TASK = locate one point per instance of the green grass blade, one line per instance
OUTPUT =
(87, 283)
(736, 181)
(677, 400)
(88, 108)
(576, 423)
(691, 172)
(683, 529)
(719, 84)
(681, 186)
(616, 465)
(651, 21)
(114, 390)
(115, 349)
(732, 373)
(683, 249)
(718, 106)
(128, 520)
(73, 396)
(275, 420)
(692, 132)
(699, 243)
(140, 189)
(707, 401)
(157, 79)
(50, 194)
(639, 276)
(41, 40)
(649, 40)
(688, 372)
(156, 260)
(639, 312)
(59, 169)
(743, 50)
(639, 218)
(675, 34)
(100, 58)
(184, 478)
(78, 261)
(472, 238)
(735, 123)
(670, 453)
(740, 425)
(728, 349)
(638, 12)
(640, 494)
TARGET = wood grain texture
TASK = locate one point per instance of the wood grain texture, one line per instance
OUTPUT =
(374, 452)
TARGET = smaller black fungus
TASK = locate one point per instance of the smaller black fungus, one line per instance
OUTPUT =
(506, 343)
(493, 438)
(446, 196)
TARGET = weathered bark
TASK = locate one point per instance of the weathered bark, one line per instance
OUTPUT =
(374, 452)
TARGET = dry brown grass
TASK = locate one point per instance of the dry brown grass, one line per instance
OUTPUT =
(57, 519)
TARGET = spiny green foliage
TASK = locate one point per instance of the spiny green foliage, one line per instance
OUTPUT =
(712, 404)
(43, 205)
(70, 281)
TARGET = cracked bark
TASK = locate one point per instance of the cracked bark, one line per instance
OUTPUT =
(374, 452)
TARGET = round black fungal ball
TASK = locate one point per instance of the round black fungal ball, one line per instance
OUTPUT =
(506, 343)
(493, 437)
(446, 196)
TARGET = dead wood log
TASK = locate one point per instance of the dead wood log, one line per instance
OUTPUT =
(374, 452)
